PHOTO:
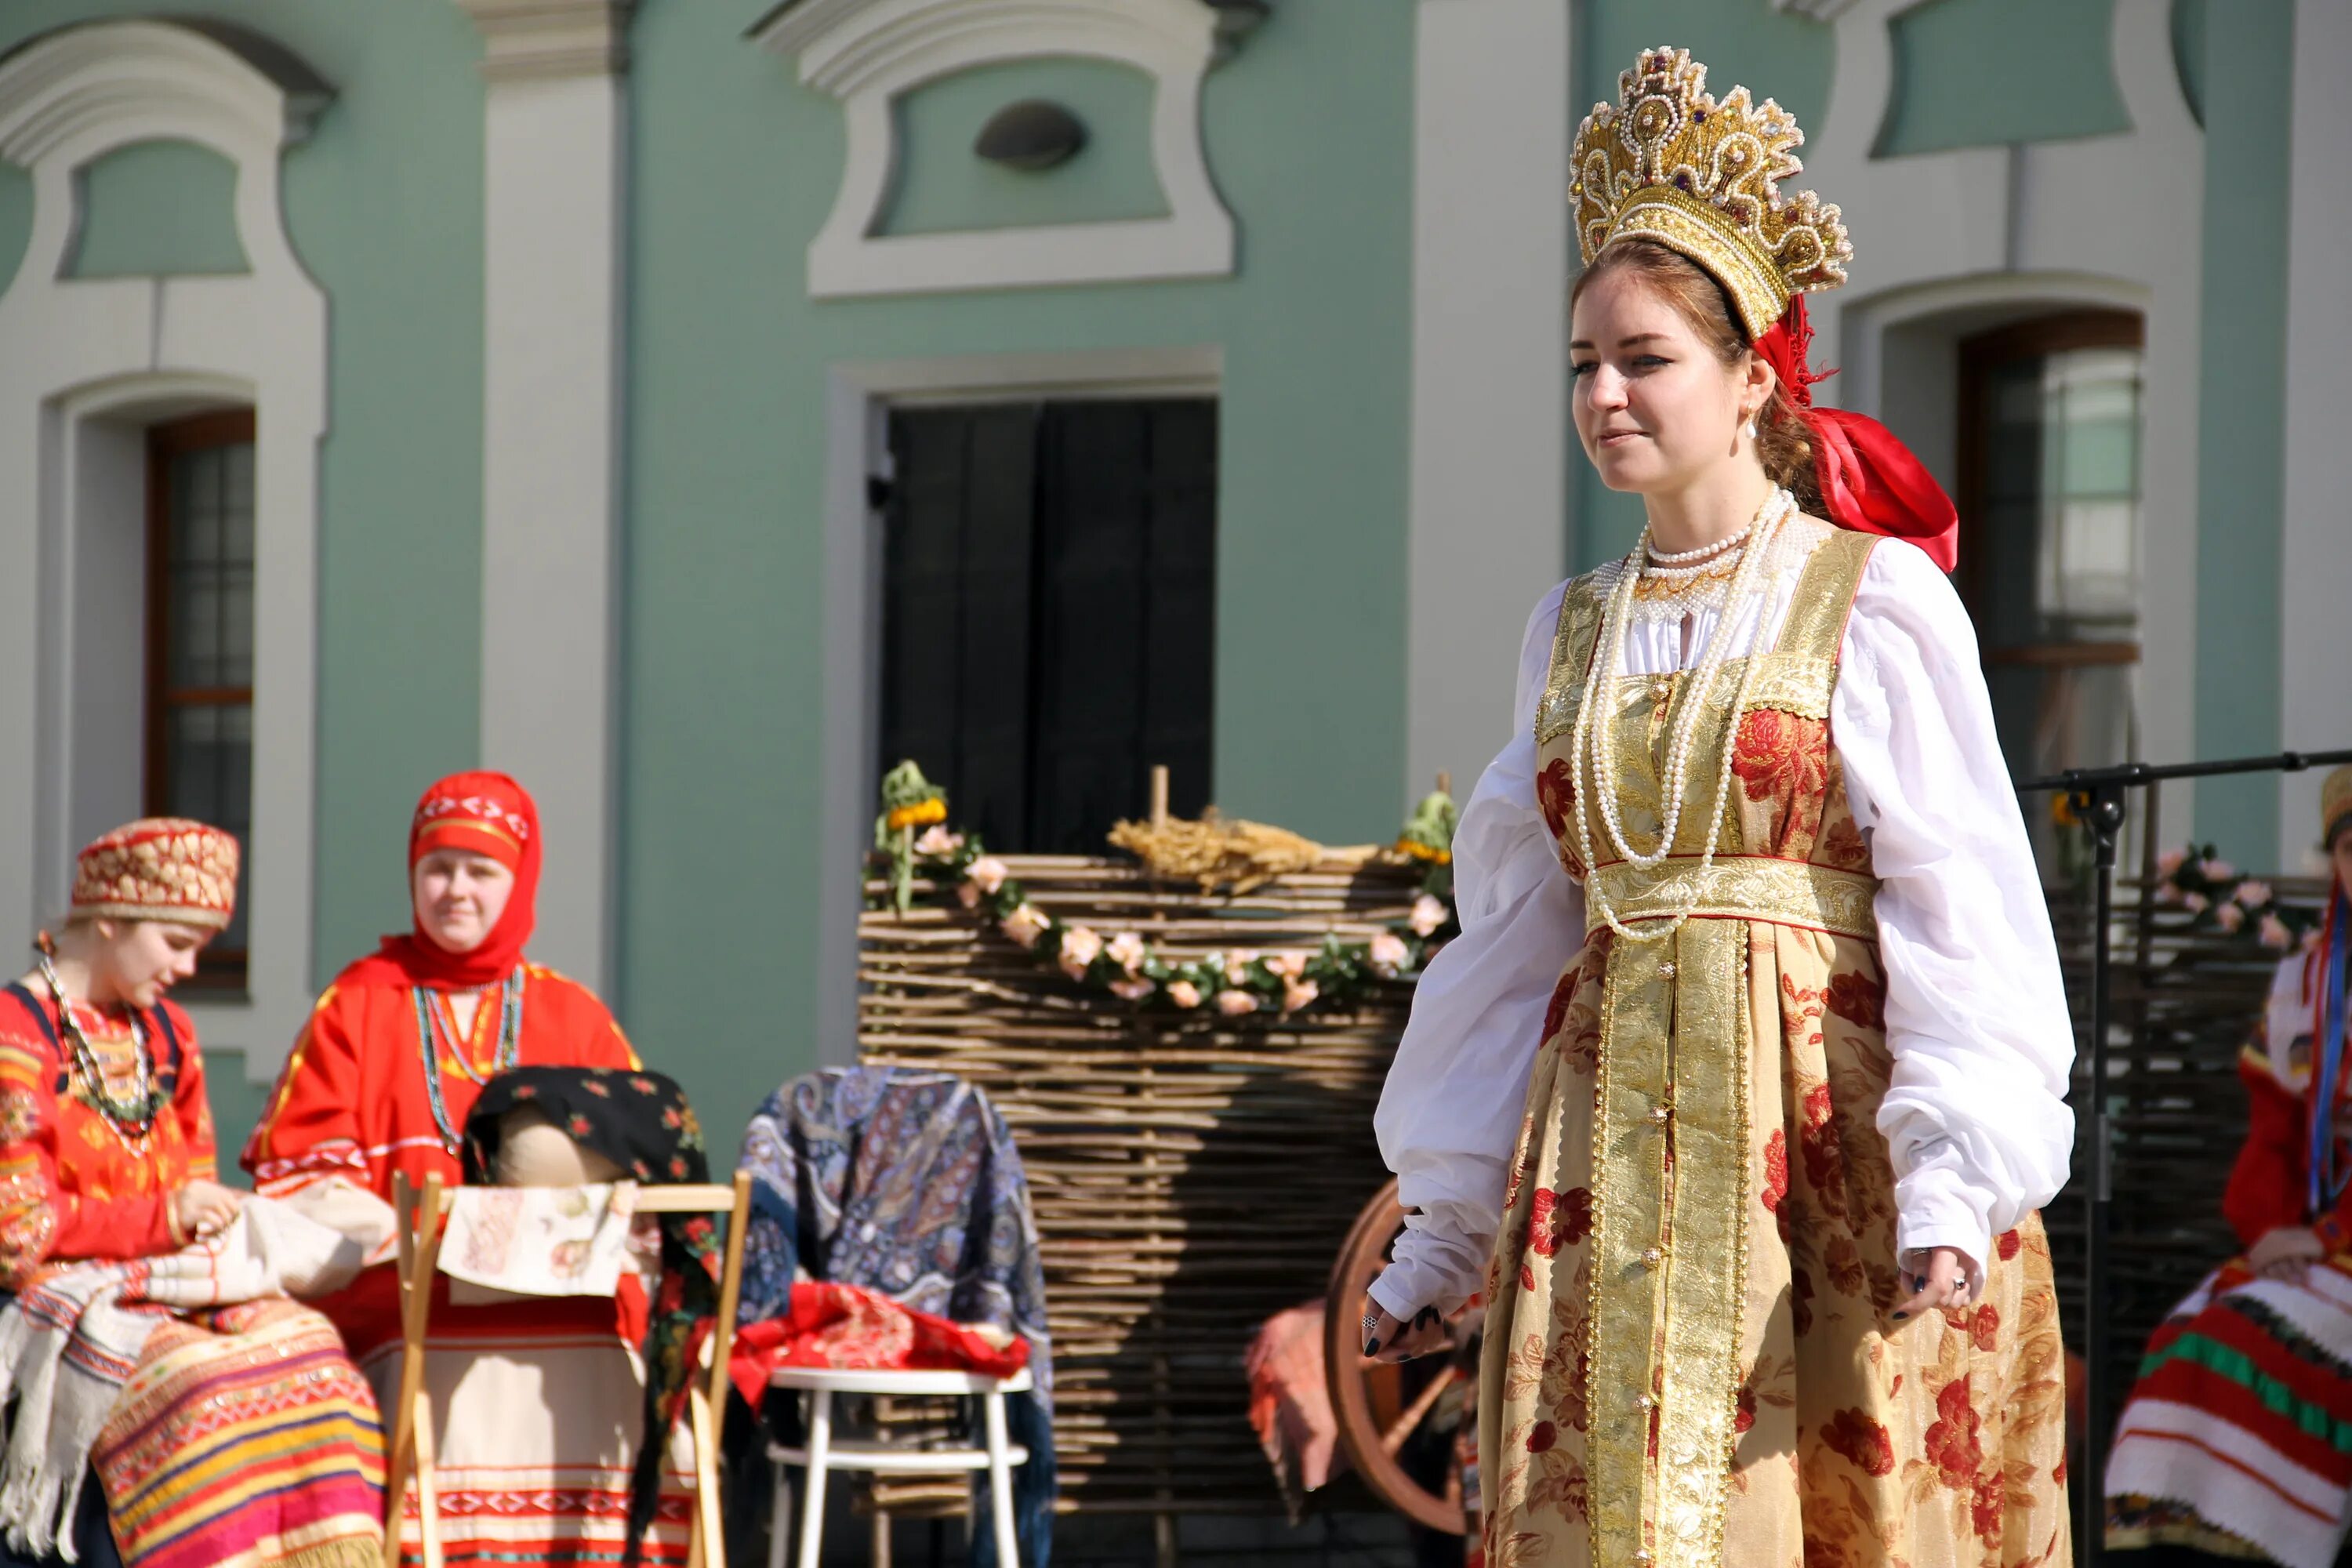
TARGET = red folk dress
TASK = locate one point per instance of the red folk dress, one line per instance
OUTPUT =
(539, 1402)
(71, 1187)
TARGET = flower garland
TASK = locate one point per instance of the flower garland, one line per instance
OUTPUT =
(2196, 879)
(1232, 985)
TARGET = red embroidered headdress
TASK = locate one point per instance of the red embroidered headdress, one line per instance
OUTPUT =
(1671, 164)
(485, 813)
(159, 868)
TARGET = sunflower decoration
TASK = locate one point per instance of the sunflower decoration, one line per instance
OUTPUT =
(1427, 836)
(910, 801)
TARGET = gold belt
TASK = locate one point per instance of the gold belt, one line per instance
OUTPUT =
(1740, 887)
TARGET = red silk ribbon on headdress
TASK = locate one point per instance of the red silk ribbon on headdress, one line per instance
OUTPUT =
(485, 813)
(1870, 481)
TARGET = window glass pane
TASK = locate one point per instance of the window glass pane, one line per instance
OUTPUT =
(211, 773)
(209, 630)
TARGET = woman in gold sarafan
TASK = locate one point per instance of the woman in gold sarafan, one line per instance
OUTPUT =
(1740, 1090)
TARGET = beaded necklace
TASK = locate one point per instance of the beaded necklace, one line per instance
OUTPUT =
(1594, 748)
(132, 1120)
(427, 1044)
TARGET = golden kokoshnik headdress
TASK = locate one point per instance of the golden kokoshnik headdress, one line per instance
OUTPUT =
(1670, 164)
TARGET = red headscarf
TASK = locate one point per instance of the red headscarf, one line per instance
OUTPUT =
(1871, 482)
(486, 813)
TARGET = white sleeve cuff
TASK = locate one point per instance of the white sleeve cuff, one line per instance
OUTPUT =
(1432, 1266)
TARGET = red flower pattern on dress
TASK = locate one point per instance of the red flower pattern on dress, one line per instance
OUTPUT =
(1744, 1413)
(1781, 756)
(2007, 1243)
(1824, 1150)
(1562, 995)
(1559, 1219)
(1858, 998)
(1861, 1441)
(1542, 1435)
(1952, 1446)
(1556, 798)
(1990, 1506)
(1844, 847)
(1775, 1173)
(1984, 1329)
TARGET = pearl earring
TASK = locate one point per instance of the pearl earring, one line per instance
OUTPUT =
(1749, 429)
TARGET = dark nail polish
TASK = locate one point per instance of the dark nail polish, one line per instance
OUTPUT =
(1372, 1347)
(1426, 1317)
(1900, 1316)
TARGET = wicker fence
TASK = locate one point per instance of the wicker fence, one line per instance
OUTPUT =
(1189, 1179)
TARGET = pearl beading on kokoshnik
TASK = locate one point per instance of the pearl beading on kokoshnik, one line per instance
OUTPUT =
(1593, 751)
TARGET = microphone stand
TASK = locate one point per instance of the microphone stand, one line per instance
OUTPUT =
(2097, 797)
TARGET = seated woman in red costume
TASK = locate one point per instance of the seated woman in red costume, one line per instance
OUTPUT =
(206, 1451)
(2236, 1446)
(537, 1405)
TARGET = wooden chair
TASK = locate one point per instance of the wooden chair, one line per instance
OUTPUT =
(420, 1211)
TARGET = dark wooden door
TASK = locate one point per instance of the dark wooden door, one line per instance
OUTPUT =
(1049, 612)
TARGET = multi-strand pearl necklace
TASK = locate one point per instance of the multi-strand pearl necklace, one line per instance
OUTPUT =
(1592, 748)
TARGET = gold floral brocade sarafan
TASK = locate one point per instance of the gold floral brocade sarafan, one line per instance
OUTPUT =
(1690, 1355)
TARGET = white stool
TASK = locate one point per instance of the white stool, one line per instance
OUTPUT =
(823, 1455)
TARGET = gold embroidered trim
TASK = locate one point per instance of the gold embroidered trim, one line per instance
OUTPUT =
(1571, 654)
(1815, 625)
(1706, 1263)
(1795, 683)
(1745, 888)
(1629, 1151)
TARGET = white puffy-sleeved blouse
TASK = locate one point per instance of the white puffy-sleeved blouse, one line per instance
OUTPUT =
(1975, 1116)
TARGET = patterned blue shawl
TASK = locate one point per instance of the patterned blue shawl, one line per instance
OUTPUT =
(907, 1183)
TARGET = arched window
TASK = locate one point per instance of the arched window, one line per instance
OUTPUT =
(2050, 539)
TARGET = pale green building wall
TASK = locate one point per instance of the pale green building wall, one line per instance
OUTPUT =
(1309, 132)
(157, 207)
(943, 188)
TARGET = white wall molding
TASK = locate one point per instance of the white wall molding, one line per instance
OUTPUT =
(859, 396)
(1490, 432)
(83, 364)
(866, 53)
(538, 39)
(2317, 702)
(554, 202)
(1819, 10)
(1943, 240)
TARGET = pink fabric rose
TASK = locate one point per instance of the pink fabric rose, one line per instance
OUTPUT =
(2274, 933)
(1286, 965)
(2252, 892)
(2229, 917)
(1238, 967)
(2218, 870)
(987, 873)
(938, 840)
(1298, 994)
(1388, 952)
(1428, 914)
(1234, 1004)
(2171, 860)
(1127, 950)
(1025, 925)
(967, 895)
(2196, 903)
(1184, 993)
(1079, 947)
(1132, 990)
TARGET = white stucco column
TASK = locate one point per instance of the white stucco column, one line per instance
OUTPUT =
(1489, 436)
(553, 236)
(2315, 707)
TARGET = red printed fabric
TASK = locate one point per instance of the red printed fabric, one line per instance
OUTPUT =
(72, 1189)
(846, 1326)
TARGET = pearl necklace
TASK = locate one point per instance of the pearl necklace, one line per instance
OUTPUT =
(1658, 558)
(1593, 749)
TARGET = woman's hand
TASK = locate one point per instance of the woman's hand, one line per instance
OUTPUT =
(205, 1208)
(1941, 1281)
(2286, 1251)
(1390, 1341)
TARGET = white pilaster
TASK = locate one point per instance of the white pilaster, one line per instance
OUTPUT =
(551, 429)
(2316, 708)
(1490, 432)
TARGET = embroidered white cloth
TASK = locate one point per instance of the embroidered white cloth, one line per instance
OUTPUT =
(538, 1241)
(1975, 1118)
